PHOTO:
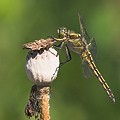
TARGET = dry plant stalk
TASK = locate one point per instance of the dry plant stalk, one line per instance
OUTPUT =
(42, 65)
(44, 102)
(32, 108)
(38, 104)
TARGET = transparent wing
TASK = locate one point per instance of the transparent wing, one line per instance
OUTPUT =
(83, 30)
(85, 69)
(93, 48)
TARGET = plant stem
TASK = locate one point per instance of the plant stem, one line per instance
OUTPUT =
(44, 102)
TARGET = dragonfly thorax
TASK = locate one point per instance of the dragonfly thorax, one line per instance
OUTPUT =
(73, 35)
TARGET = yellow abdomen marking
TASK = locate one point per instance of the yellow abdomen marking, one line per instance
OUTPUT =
(88, 58)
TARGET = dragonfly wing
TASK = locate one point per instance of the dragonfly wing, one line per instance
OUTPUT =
(83, 30)
(85, 69)
(81, 25)
(93, 48)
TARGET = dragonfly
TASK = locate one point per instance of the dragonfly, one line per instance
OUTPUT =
(83, 45)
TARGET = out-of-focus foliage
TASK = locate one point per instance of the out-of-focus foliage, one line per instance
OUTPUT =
(73, 97)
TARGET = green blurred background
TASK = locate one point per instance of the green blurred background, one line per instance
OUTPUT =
(73, 97)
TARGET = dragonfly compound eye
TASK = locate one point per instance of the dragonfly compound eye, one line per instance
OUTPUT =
(62, 31)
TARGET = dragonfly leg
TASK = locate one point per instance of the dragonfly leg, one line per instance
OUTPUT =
(68, 56)
(53, 53)
(59, 46)
(57, 39)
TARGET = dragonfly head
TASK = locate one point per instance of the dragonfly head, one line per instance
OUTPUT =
(62, 32)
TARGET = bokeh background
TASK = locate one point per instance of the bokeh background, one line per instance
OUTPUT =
(73, 97)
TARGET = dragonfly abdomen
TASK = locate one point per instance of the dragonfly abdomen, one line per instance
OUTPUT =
(89, 60)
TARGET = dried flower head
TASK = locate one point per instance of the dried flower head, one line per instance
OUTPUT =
(39, 44)
(42, 62)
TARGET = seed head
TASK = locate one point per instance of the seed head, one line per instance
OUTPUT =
(42, 66)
